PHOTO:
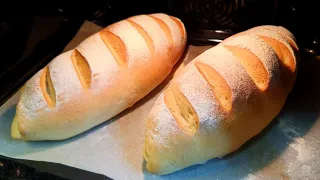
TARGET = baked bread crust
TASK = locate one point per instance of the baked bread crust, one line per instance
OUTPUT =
(222, 98)
(105, 74)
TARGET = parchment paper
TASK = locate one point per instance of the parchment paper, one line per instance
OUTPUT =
(287, 149)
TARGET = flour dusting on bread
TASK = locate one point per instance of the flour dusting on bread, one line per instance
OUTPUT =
(253, 66)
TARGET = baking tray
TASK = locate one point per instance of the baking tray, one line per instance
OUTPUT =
(287, 149)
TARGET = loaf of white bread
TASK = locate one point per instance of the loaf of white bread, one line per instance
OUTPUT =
(104, 75)
(222, 98)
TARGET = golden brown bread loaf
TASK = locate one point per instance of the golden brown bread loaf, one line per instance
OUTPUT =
(104, 75)
(222, 98)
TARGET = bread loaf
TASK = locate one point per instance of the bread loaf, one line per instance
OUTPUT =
(104, 75)
(222, 98)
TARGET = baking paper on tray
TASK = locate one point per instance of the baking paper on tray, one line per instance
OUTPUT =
(114, 148)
